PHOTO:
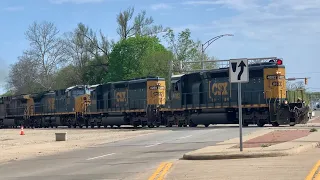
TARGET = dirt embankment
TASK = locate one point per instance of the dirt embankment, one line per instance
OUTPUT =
(39, 142)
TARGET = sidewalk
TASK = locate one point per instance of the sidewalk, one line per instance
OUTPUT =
(295, 167)
(273, 153)
(263, 143)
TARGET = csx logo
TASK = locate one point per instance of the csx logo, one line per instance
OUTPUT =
(121, 96)
(220, 88)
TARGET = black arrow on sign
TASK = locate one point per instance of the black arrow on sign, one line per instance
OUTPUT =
(234, 66)
(241, 65)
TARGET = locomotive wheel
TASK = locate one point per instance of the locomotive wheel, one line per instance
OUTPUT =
(151, 126)
(275, 124)
(292, 124)
(206, 125)
(193, 125)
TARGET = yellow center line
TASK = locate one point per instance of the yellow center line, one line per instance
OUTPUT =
(155, 174)
(313, 172)
(163, 169)
(164, 172)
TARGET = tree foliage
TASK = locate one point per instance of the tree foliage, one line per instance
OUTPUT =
(185, 50)
(47, 51)
(138, 57)
(137, 26)
(57, 61)
(23, 76)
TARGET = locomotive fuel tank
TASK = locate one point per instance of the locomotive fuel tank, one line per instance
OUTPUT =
(8, 122)
(214, 116)
(116, 119)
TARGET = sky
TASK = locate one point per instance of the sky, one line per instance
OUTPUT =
(288, 29)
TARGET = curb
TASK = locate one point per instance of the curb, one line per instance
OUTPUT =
(257, 154)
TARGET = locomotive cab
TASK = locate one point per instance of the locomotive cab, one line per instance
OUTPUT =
(78, 98)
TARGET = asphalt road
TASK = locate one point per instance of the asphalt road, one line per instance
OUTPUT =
(120, 160)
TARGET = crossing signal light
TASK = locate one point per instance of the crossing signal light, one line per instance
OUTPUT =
(279, 62)
(305, 81)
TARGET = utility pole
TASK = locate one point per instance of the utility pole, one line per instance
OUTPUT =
(170, 74)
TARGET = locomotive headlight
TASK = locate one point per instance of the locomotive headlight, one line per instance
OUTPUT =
(285, 102)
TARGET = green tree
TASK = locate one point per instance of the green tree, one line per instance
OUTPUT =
(186, 50)
(88, 54)
(96, 70)
(8, 93)
(138, 57)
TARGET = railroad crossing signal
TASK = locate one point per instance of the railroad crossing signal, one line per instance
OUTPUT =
(239, 71)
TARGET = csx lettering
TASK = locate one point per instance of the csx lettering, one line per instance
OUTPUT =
(220, 88)
(121, 96)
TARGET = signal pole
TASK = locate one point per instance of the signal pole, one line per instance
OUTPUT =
(305, 79)
(205, 45)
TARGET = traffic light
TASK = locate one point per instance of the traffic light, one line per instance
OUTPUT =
(305, 81)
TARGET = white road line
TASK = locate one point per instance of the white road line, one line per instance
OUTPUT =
(153, 145)
(101, 156)
(185, 137)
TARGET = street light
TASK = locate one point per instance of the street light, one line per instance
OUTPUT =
(205, 45)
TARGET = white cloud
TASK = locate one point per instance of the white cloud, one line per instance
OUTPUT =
(236, 4)
(161, 6)
(273, 20)
(75, 1)
(14, 8)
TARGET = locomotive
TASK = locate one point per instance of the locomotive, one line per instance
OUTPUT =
(204, 97)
